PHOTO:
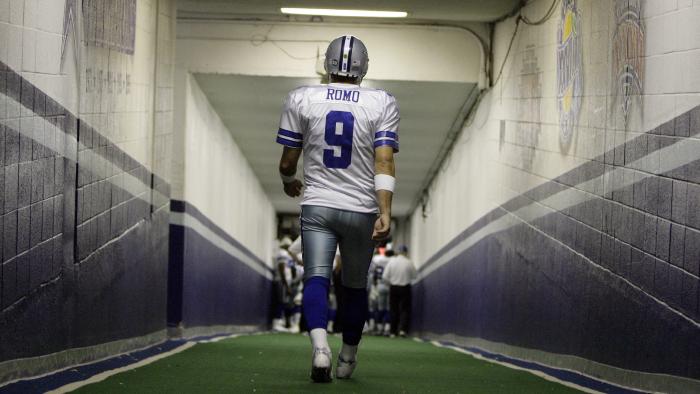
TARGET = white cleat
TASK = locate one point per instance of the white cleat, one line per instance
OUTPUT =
(278, 326)
(344, 369)
(321, 365)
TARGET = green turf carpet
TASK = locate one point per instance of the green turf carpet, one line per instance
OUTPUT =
(279, 363)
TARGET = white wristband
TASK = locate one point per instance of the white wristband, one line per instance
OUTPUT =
(287, 179)
(384, 182)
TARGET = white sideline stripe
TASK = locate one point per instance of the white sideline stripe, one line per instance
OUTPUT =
(104, 375)
(511, 366)
(34, 377)
(577, 372)
(187, 220)
(221, 338)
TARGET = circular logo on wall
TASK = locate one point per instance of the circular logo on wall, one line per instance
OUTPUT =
(569, 70)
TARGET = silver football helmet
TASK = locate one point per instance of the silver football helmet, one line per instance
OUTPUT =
(347, 56)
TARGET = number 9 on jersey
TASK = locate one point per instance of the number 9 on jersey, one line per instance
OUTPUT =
(346, 121)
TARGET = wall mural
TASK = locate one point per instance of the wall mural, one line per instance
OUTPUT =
(530, 92)
(569, 70)
(110, 25)
(627, 54)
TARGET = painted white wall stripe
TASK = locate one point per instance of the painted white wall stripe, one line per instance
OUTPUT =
(189, 221)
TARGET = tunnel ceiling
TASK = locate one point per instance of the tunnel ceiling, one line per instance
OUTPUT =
(447, 10)
(250, 107)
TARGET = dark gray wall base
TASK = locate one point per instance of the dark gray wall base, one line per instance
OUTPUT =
(109, 295)
(559, 303)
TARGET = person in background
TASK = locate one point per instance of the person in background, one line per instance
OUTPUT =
(281, 285)
(399, 273)
(295, 281)
(379, 294)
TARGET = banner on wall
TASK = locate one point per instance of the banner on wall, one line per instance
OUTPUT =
(110, 24)
(106, 24)
(569, 70)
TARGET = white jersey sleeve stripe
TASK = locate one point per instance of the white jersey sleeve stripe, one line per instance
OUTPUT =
(289, 138)
(288, 142)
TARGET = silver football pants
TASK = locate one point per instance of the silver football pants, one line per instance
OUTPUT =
(323, 229)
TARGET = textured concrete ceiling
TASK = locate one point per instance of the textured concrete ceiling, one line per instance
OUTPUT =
(443, 10)
(250, 106)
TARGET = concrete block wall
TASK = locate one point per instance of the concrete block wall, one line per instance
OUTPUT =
(223, 225)
(85, 124)
(582, 254)
(33, 188)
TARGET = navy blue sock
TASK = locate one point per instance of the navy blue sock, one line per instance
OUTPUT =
(315, 302)
(355, 310)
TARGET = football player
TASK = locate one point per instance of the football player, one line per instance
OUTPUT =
(348, 135)
(381, 290)
(282, 285)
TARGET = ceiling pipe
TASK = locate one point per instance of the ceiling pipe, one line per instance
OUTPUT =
(483, 78)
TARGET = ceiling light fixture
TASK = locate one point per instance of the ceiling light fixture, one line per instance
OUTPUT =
(355, 13)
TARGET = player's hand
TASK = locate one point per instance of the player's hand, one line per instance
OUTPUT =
(382, 227)
(293, 189)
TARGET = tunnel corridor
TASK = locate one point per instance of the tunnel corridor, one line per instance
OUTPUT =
(547, 193)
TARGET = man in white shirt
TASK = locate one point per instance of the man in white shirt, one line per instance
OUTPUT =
(399, 273)
(348, 135)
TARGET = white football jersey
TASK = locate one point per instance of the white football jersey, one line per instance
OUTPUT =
(338, 126)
